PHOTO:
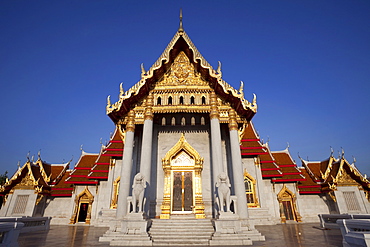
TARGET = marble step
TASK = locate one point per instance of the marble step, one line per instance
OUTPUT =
(176, 242)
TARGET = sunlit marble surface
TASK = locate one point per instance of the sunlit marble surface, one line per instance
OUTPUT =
(287, 235)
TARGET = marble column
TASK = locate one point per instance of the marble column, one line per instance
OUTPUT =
(215, 139)
(237, 166)
(146, 148)
(146, 144)
(125, 181)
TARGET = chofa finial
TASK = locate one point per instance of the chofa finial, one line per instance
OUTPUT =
(181, 29)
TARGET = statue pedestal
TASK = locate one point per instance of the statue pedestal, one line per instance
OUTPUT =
(228, 222)
(231, 230)
(134, 223)
(133, 232)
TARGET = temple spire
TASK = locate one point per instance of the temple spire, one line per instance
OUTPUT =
(181, 29)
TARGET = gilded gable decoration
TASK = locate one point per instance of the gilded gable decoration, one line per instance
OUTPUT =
(181, 73)
(344, 179)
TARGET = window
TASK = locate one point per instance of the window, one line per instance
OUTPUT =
(181, 100)
(192, 100)
(203, 100)
(192, 121)
(202, 121)
(173, 121)
(183, 122)
(20, 204)
(250, 191)
(159, 101)
(170, 100)
(351, 201)
(163, 121)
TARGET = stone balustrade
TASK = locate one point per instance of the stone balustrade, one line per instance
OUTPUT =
(9, 232)
(330, 220)
(355, 233)
(30, 223)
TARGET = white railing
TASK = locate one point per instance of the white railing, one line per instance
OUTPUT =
(355, 232)
(330, 220)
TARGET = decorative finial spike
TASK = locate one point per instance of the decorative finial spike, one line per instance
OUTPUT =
(181, 29)
(143, 72)
(219, 68)
(121, 90)
(108, 101)
(254, 102)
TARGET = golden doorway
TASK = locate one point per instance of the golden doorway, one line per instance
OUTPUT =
(83, 205)
(182, 168)
(287, 204)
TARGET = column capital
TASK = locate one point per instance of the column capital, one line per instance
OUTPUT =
(214, 109)
(130, 126)
(148, 115)
(233, 125)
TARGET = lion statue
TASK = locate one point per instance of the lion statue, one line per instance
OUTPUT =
(223, 185)
(138, 188)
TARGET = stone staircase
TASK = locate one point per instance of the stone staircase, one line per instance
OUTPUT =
(261, 216)
(105, 216)
(181, 231)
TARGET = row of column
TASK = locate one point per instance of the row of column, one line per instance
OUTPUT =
(146, 155)
(237, 167)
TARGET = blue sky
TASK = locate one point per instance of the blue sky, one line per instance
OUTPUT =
(307, 61)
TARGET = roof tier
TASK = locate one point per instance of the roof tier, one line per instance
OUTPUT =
(180, 43)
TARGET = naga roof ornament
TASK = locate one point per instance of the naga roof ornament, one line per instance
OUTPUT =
(180, 43)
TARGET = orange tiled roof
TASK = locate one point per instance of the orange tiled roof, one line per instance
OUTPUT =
(114, 149)
(79, 174)
(287, 166)
(62, 188)
(308, 186)
(252, 146)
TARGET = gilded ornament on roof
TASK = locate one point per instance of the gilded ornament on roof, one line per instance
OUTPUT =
(182, 73)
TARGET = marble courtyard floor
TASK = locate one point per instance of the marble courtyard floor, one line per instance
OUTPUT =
(287, 235)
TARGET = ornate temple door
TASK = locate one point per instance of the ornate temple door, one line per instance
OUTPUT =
(288, 210)
(182, 192)
(182, 167)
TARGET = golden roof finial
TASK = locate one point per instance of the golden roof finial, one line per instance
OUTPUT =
(181, 29)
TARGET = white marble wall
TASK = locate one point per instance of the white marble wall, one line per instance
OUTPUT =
(60, 209)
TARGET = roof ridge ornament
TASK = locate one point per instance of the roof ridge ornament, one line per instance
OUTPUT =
(181, 29)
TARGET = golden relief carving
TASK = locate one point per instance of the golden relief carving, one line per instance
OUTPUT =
(181, 73)
(27, 182)
(344, 179)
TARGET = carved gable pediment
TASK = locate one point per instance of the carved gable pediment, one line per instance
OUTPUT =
(344, 179)
(181, 73)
